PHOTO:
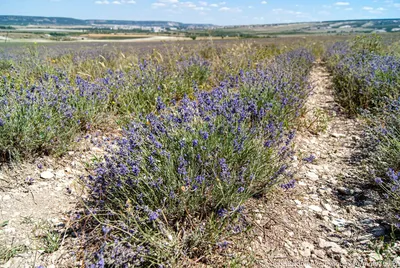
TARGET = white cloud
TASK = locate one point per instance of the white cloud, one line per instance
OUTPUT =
(115, 2)
(230, 9)
(342, 4)
(372, 10)
(264, 2)
(105, 2)
(156, 5)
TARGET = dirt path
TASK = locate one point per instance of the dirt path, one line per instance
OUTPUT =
(330, 219)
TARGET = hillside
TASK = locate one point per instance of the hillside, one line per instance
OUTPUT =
(57, 21)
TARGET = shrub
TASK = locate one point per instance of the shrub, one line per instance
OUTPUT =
(363, 79)
(175, 186)
(383, 134)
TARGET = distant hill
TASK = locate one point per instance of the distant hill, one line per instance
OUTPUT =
(58, 21)
(31, 20)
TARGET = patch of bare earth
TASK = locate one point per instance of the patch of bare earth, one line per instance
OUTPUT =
(331, 218)
(36, 200)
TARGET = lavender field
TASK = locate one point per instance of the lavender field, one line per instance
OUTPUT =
(226, 154)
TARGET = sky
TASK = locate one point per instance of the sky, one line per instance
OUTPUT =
(228, 12)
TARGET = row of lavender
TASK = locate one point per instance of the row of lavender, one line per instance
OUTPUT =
(51, 95)
(174, 188)
(366, 76)
(49, 113)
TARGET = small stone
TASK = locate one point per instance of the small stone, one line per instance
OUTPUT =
(325, 244)
(39, 233)
(297, 202)
(396, 262)
(6, 197)
(345, 191)
(367, 221)
(375, 257)
(339, 222)
(9, 230)
(319, 253)
(338, 135)
(315, 208)
(338, 250)
(369, 203)
(379, 231)
(347, 233)
(47, 175)
(334, 239)
(357, 190)
(60, 174)
(307, 245)
(343, 261)
(305, 253)
(312, 176)
(327, 207)
(331, 245)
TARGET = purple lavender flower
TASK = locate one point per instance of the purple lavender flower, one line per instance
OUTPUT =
(29, 180)
(289, 185)
(153, 215)
(105, 229)
(223, 245)
(241, 189)
(309, 159)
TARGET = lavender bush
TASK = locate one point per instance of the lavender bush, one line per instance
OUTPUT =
(383, 134)
(175, 186)
(362, 77)
(50, 95)
(45, 116)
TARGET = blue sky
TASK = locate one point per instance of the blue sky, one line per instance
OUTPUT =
(226, 12)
